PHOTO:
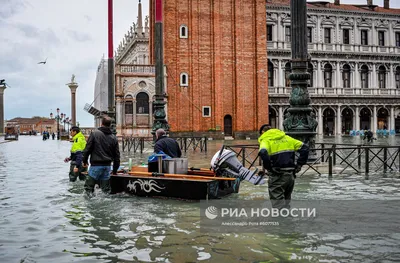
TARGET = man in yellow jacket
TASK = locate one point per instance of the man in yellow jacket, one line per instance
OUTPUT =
(79, 143)
(277, 151)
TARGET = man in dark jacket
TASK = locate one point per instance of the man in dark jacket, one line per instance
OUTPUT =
(103, 148)
(277, 151)
(167, 145)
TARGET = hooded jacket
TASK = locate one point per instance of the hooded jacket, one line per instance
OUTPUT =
(103, 148)
(277, 150)
(79, 144)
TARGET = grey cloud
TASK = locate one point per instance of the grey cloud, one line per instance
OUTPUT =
(11, 7)
(79, 36)
(88, 18)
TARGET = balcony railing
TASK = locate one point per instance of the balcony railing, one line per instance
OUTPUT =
(316, 91)
(125, 68)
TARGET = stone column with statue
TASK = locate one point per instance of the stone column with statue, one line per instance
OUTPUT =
(2, 88)
(73, 86)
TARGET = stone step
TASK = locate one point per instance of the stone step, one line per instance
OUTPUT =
(228, 138)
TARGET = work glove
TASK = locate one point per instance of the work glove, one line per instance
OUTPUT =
(67, 159)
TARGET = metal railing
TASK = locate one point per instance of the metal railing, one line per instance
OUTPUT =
(135, 144)
(345, 158)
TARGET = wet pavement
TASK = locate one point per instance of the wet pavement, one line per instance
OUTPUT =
(45, 218)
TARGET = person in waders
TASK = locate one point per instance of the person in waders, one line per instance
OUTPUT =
(76, 168)
(103, 149)
(277, 151)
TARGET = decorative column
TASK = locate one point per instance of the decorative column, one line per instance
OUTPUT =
(159, 104)
(280, 112)
(391, 79)
(2, 88)
(300, 121)
(391, 120)
(339, 121)
(319, 75)
(73, 86)
(150, 111)
(134, 113)
(338, 75)
(356, 77)
(357, 118)
(320, 121)
(373, 82)
(374, 120)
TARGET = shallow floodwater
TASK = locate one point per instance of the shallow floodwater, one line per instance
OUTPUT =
(45, 218)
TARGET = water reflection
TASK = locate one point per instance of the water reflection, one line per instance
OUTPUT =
(45, 218)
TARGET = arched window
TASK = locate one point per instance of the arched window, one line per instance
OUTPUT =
(128, 104)
(183, 31)
(364, 77)
(270, 74)
(310, 70)
(328, 76)
(288, 69)
(346, 76)
(397, 77)
(142, 103)
(382, 77)
(184, 79)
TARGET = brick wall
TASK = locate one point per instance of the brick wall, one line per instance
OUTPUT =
(226, 58)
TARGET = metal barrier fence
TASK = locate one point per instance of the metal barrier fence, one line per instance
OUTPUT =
(135, 144)
(343, 157)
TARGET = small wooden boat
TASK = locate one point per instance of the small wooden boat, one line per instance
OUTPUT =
(11, 134)
(183, 183)
(195, 185)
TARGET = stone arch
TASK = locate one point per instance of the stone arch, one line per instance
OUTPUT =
(347, 114)
(273, 117)
(383, 118)
(365, 118)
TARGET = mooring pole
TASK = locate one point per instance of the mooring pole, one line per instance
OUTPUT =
(159, 103)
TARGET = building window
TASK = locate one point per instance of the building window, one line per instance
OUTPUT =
(397, 39)
(206, 111)
(309, 34)
(270, 74)
(397, 78)
(128, 105)
(328, 75)
(382, 77)
(346, 76)
(310, 70)
(269, 32)
(327, 35)
(142, 103)
(184, 79)
(183, 31)
(381, 38)
(346, 36)
(288, 69)
(288, 34)
(364, 37)
(364, 77)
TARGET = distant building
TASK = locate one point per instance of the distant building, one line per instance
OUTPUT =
(354, 64)
(37, 124)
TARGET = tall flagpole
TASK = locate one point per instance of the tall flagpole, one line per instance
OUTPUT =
(159, 103)
(111, 92)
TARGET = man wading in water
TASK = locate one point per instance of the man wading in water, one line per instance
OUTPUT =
(277, 151)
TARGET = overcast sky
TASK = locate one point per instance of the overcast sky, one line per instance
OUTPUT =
(72, 35)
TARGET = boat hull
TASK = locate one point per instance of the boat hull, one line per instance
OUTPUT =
(181, 188)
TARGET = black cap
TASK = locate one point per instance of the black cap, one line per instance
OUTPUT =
(263, 126)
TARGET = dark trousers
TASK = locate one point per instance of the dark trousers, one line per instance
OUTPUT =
(280, 188)
(73, 176)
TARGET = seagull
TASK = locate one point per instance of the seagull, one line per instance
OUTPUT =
(43, 62)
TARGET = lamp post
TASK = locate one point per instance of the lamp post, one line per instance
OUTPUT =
(69, 121)
(58, 118)
(300, 120)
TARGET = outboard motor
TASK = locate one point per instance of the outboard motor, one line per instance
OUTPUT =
(226, 164)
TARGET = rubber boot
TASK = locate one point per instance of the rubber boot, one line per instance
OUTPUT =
(72, 176)
(89, 185)
(105, 186)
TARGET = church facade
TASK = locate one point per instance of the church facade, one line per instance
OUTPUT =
(354, 65)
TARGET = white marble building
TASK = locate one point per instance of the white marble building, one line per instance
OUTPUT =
(135, 81)
(100, 101)
(354, 64)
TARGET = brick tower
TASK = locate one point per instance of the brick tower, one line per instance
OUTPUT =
(215, 56)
